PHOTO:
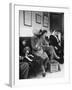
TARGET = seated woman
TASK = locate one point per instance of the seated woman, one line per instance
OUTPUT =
(54, 41)
(49, 49)
(38, 51)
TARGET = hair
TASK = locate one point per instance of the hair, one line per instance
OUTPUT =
(41, 33)
(44, 31)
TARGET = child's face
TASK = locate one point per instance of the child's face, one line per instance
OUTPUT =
(27, 51)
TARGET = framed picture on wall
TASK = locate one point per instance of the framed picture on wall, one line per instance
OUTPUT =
(38, 18)
(27, 18)
(22, 43)
(45, 21)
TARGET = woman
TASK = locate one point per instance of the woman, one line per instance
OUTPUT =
(38, 51)
(55, 42)
(49, 49)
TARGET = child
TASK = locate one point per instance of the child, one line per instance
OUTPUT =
(28, 56)
(25, 63)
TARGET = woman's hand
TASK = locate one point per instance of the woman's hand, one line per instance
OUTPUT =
(56, 48)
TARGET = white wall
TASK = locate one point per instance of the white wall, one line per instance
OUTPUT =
(28, 31)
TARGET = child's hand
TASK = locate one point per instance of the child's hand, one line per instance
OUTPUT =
(28, 58)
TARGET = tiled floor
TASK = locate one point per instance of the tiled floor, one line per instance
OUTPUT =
(54, 74)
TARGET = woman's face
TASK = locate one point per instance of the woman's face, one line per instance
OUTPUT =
(44, 35)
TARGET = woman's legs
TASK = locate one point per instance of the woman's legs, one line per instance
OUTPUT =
(52, 53)
(43, 70)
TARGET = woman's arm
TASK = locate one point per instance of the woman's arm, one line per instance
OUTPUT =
(35, 44)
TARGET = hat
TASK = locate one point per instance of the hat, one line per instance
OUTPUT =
(44, 31)
(40, 33)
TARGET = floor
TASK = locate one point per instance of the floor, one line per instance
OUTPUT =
(54, 74)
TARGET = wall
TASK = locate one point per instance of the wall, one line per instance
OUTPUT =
(28, 31)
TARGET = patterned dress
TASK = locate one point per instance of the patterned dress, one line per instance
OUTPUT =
(37, 44)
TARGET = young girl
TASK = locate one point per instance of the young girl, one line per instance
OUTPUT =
(25, 63)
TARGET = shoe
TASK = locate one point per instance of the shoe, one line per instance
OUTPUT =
(59, 68)
(43, 74)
